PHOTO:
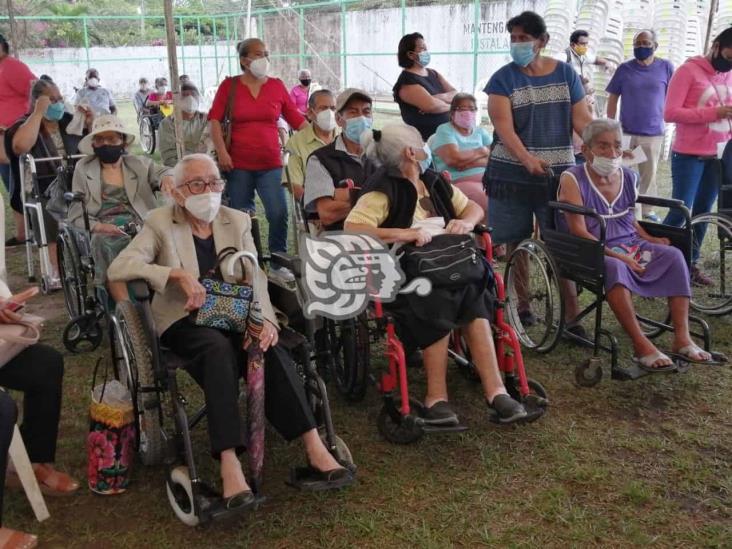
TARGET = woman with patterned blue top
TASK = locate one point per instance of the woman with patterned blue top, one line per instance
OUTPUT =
(534, 103)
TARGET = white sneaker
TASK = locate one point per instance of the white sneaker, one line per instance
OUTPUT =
(281, 274)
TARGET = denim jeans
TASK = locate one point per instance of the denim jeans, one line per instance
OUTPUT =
(5, 175)
(240, 188)
(696, 182)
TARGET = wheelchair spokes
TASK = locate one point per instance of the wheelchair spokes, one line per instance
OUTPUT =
(711, 286)
(534, 302)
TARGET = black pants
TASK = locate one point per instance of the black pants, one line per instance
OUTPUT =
(8, 416)
(217, 363)
(38, 372)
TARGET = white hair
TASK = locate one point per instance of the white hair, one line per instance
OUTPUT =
(180, 169)
(385, 146)
(598, 126)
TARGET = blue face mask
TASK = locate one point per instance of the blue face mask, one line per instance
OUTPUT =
(642, 53)
(356, 126)
(425, 164)
(55, 111)
(424, 58)
(522, 53)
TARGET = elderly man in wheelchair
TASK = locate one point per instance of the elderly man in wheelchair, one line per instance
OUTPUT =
(177, 245)
(635, 262)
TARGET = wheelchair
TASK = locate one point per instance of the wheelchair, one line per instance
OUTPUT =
(148, 121)
(536, 267)
(162, 418)
(86, 304)
(35, 214)
(712, 234)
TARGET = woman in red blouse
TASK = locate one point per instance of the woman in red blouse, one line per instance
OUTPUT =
(253, 160)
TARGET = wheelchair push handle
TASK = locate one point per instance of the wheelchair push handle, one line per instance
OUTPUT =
(254, 264)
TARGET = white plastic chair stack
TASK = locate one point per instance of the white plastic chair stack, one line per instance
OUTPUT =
(723, 17)
(610, 48)
(559, 17)
(693, 45)
(593, 17)
(669, 21)
(637, 16)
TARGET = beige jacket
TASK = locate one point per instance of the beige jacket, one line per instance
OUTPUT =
(166, 242)
(141, 177)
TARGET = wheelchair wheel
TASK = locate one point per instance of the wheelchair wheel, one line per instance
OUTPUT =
(83, 334)
(147, 135)
(71, 273)
(405, 431)
(534, 305)
(133, 359)
(712, 236)
(342, 453)
(350, 356)
(180, 495)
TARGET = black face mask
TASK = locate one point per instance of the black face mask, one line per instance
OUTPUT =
(109, 154)
(305, 82)
(721, 64)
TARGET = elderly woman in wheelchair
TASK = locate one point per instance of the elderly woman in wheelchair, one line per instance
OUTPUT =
(403, 193)
(179, 243)
(635, 262)
(116, 191)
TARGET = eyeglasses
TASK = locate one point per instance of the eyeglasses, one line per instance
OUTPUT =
(470, 109)
(198, 186)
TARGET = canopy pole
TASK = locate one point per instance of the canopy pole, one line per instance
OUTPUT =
(710, 22)
(13, 28)
(175, 82)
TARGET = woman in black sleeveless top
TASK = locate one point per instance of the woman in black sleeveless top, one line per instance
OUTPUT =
(423, 94)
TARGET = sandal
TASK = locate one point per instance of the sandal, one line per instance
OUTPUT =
(50, 481)
(14, 539)
(646, 362)
(688, 352)
(311, 479)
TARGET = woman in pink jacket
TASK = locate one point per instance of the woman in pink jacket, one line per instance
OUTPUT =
(699, 101)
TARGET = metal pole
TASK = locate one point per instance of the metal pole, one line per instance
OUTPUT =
(712, 11)
(142, 18)
(301, 32)
(249, 18)
(228, 44)
(404, 16)
(173, 67)
(200, 54)
(476, 42)
(13, 28)
(344, 46)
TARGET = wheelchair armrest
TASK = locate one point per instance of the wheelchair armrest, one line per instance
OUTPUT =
(139, 290)
(482, 229)
(74, 197)
(571, 208)
(291, 262)
(670, 203)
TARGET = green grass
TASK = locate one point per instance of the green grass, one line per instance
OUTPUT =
(618, 465)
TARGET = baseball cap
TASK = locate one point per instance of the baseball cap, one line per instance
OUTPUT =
(351, 93)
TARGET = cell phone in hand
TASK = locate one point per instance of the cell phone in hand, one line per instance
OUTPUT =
(14, 306)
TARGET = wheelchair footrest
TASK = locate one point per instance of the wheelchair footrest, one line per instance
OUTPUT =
(430, 429)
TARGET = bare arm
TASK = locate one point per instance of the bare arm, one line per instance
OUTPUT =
(27, 134)
(416, 95)
(333, 210)
(460, 160)
(612, 105)
(388, 236)
(581, 116)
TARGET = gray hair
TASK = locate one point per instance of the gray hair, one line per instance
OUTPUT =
(385, 146)
(314, 96)
(243, 47)
(649, 31)
(181, 167)
(601, 125)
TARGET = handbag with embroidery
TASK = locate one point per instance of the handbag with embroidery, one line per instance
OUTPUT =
(227, 306)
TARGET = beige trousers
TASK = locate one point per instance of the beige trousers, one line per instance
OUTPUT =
(652, 148)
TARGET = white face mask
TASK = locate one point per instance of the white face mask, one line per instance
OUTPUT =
(606, 166)
(161, 89)
(326, 120)
(92, 82)
(189, 104)
(204, 206)
(259, 67)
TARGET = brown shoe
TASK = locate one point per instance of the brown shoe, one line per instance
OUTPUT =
(13, 539)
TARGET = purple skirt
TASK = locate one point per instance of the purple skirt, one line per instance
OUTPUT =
(666, 273)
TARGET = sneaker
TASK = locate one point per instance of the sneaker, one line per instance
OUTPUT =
(11, 242)
(281, 274)
(439, 413)
(528, 318)
(506, 410)
(700, 278)
(652, 216)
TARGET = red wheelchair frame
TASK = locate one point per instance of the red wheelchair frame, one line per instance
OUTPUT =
(397, 422)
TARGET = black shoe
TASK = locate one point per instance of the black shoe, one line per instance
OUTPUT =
(439, 413)
(311, 479)
(528, 318)
(579, 331)
(506, 410)
(10, 242)
(241, 500)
